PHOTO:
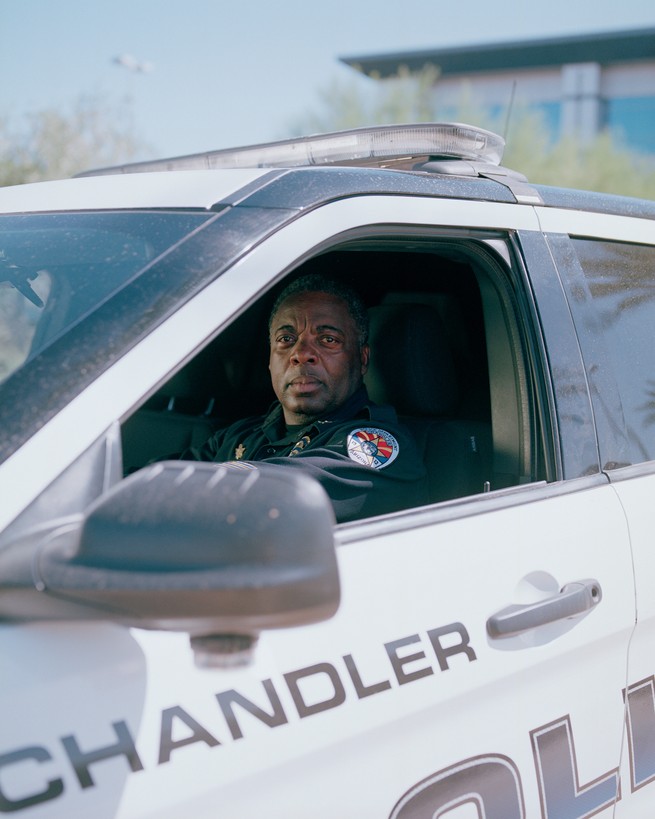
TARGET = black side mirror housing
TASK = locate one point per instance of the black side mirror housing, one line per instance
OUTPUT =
(210, 549)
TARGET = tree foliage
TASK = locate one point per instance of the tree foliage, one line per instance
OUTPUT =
(55, 144)
(603, 164)
(358, 102)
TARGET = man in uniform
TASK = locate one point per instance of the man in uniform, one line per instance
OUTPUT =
(323, 421)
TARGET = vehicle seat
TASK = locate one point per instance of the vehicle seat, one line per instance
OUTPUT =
(413, 368)
(176, 417)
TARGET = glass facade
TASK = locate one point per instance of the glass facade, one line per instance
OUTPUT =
(632, 121)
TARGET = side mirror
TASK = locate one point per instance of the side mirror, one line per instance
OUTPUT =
(210, 549)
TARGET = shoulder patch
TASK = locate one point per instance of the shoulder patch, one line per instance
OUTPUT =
(372, 447)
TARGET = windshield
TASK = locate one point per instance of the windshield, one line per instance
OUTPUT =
(57, 268)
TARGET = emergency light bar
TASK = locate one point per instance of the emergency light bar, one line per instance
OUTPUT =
(377, 146)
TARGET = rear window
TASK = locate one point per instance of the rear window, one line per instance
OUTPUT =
(55, 269)
(621, 281)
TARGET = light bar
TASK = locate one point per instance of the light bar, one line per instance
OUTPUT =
(376, 146)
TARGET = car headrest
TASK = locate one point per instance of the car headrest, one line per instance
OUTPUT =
(411, 366)
(193, 388)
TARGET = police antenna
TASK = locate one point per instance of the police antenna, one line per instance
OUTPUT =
(510, 108)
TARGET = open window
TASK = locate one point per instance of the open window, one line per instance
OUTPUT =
(450, 350)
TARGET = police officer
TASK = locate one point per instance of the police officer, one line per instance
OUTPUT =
(323, 421)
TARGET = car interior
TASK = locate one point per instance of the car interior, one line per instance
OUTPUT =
(447, 351)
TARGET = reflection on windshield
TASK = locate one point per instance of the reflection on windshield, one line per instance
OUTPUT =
(55, 269)
(19, 316)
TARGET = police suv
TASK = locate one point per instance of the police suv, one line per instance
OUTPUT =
(189, 639)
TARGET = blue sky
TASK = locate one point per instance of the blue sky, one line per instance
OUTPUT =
(232, 72)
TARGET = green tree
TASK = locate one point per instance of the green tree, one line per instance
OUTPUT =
(360, 101)
(54, 144)
(603, 164)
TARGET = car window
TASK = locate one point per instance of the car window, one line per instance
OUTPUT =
(448, 352)
(57, 268)
(622, 286)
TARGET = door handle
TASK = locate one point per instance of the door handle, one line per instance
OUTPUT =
(573, 599)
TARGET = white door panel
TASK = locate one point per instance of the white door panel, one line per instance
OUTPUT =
(638, 765)
(403, 686)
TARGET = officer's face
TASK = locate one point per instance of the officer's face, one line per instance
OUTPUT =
(316, 362)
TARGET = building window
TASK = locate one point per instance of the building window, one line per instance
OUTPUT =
(632, 121)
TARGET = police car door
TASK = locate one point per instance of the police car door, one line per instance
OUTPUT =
(478, 655)
(609, 264)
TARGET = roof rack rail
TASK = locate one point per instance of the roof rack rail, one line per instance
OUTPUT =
(394, 146)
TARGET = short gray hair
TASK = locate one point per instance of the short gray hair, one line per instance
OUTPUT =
(318, 283)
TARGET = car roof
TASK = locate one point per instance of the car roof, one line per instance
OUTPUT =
(179, 189)
(295, 188)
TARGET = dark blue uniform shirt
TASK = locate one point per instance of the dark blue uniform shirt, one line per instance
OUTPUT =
(367, 462)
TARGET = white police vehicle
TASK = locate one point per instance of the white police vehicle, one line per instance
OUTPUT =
(187, 640)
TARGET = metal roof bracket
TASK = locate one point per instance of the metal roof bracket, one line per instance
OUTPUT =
(521, 189)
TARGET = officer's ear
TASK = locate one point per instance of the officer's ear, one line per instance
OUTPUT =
(364, 353)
